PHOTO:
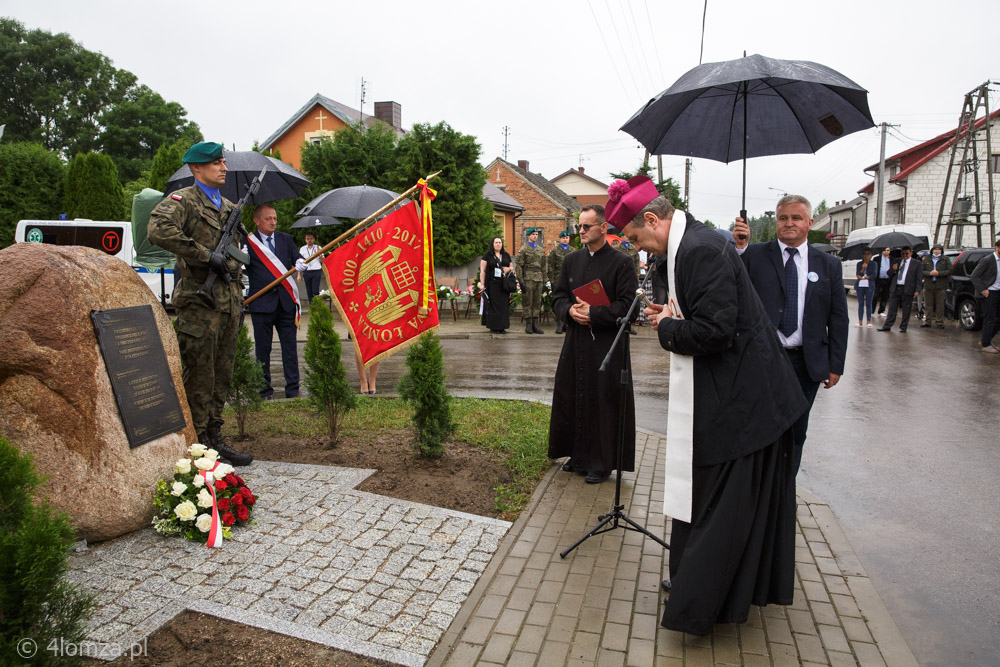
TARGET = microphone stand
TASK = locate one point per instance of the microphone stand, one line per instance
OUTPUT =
(616, 518)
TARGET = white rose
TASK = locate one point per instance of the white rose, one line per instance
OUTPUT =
(204, 498)
(197, 449)
(198, 481)
(204, 522)
(183, 466)
(223, 470)
(211, 454)
(178, 488)
(186, 511)
(205, 463)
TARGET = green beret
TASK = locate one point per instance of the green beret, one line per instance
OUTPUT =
(206, 151)
(532, 230)
(563, 233)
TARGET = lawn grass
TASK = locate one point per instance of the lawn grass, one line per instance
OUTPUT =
(515, 431)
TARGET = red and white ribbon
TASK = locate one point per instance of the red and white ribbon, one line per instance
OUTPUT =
(215, 532)
(276, 269)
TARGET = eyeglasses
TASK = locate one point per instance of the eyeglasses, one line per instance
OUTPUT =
(587, 228)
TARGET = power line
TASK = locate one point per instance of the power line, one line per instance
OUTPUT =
(639, 47)
(621, 47)
(597, 24)
(659, 60)
(704, 15)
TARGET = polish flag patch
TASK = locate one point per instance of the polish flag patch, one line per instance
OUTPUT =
(177, 197)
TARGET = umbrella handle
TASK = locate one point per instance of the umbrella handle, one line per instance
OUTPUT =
(743, 214)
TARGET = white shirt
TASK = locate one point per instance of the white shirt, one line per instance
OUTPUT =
(802, 268)
(308, 251)
(996, 283)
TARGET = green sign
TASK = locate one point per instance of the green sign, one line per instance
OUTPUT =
(34, 235)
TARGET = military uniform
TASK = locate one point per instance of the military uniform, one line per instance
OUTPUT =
(188, 224)
(631, 252)
(530, 265)
(555, 262)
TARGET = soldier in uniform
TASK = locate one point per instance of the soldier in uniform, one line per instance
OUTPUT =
(627, 248)
(189, 223)
(555, 266)
(530, 264)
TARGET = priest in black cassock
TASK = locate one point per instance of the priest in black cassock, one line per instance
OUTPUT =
(728, 482)
(585, 401)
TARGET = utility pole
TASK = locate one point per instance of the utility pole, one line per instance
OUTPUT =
(361, 107)
(506, 131)
(687, 182)
(879, 216)
(659, 168)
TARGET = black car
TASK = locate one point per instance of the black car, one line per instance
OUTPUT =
(961, 297)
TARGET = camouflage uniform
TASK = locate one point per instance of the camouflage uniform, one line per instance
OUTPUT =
(555, 262)
(631, 252)
(530, 273)
(187, 223)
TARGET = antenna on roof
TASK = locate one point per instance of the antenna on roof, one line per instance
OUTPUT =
(361, 107)
(506, 131)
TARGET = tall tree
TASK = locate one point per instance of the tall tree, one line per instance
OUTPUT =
(93, 190)
(667, 187)
(463, 219)
(32, 181)
(355, 155)
(168, 159)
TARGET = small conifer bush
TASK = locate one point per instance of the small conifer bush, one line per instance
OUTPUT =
(422, 385)
(36, 601)
(248, 378)
(324, 378)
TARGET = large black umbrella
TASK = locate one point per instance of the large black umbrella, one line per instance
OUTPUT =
(356, 201)
(281, 181)
(854, 250)
(315, 221)
(897, 240)
(825, 247)
(750, 107)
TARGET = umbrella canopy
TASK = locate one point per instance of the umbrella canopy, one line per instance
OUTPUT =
(896, 240)
(315, 221)
(356, 201)
(824, 247)
(751, 107)
(854, 250)
(281, 181)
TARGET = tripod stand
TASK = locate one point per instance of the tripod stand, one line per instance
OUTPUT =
(616, 518)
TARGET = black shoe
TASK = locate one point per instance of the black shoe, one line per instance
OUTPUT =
(527, 326)
(902, 331)
(596, 477)
(925, 325)
(884, 329)
(665, 585)
(940, 326)
(568, 466)
(633, 332)
(560, 327)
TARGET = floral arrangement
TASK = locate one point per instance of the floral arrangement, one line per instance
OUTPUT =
(475, 289)
(444, 292)
(185, 504)
(547, 297)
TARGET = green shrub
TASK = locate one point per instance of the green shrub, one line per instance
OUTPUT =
(93, 190)
(36, 602)
(325, 379)
(422, 385)
(248, 378)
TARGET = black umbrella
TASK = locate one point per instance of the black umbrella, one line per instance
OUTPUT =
(751, 107)
(824, 247)
(897, 240)
(356, 201)
(316, 221)
(854, 250)
(281, 181)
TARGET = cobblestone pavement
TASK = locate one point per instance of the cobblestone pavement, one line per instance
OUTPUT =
(344, 568)
(601, 604)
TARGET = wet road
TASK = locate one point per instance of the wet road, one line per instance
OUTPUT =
(905, 449)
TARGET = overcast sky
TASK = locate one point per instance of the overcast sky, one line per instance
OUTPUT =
(562, 76)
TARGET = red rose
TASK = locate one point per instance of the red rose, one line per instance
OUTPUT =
(251, 500)
(230, 479)
(237, 499)
(242, 513)
(239, 479)
(220, 485)
(246, 493)
(223, 504)
(228, 518)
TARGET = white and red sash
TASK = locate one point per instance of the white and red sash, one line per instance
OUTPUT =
(276, 269)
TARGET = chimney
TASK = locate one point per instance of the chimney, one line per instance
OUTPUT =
(390, 113)
(523, 164)
(581, 170)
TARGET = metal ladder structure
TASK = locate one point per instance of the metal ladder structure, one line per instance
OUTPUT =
(969, 150)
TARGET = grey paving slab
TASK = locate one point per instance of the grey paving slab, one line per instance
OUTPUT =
(327, 563)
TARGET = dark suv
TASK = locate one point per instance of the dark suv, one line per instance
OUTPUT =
(961, 299)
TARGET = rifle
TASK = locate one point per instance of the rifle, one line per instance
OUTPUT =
(233, 227)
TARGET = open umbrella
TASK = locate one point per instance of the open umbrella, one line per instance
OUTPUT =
(854, 250)
(750, 107)
(825, 247)
(356, 201)
(281, 181)
(316, 221)
(897, 240)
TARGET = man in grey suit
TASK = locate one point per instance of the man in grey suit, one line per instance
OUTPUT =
(906, 278)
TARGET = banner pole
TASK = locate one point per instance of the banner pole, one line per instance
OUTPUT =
(370, 218)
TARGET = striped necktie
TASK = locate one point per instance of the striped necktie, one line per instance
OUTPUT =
(790, 316)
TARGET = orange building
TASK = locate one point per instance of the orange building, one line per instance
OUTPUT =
(322, 117)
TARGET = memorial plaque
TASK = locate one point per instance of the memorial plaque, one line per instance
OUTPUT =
(140, 377)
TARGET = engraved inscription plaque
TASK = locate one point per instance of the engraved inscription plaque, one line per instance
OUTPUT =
(137, 365)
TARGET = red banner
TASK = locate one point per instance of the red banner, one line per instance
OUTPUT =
(376, 280)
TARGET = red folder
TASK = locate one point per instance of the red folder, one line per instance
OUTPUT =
(593, 293)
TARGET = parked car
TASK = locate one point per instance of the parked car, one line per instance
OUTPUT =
(961, 298)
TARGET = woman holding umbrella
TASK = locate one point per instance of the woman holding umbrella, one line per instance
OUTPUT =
(492, 267)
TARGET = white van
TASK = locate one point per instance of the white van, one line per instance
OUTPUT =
(113, 238)
(849, 266)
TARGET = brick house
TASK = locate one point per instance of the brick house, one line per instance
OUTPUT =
(581, 187)
(915, 179)
(545, 205)
(506, 210)
(322, 117)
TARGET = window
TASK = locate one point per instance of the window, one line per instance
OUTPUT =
(995, 163)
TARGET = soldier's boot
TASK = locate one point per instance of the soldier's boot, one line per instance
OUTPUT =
(215, 441)
(534, 326)
(560, 327)
(527, 326)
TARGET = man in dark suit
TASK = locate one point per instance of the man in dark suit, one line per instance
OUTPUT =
(907, 276)
(883, 266)
(805, 301)
(271, 255)
(986, 282)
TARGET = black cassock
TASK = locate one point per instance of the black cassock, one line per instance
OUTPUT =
(584, 422)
